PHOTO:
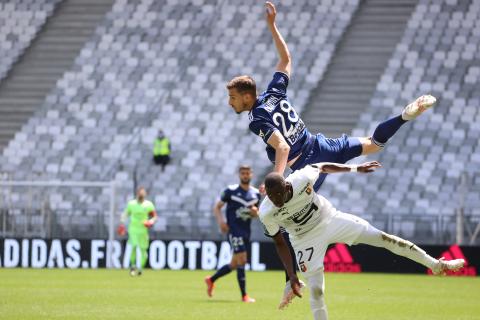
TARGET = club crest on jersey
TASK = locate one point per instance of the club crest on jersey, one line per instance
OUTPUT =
(243, 213)
(303, 267)
(308, 189)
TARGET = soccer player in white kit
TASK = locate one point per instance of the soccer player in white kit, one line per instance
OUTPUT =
(313, 223)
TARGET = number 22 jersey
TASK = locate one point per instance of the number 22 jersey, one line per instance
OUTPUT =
(274, 112)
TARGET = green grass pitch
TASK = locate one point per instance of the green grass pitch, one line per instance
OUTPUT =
(113, 294)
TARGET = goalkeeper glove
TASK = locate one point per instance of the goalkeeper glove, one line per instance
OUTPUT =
(148, 223)
(121, 230)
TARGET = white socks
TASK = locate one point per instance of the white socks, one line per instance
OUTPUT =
(316, 283)
(397, 245)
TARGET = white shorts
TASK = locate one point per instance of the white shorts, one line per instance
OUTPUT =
(310, 249)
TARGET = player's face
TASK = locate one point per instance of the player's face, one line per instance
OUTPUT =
(238, 101)
(277, 196)
(245, 176)
(141, 194)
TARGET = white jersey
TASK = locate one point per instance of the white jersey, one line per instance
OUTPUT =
(303, 212)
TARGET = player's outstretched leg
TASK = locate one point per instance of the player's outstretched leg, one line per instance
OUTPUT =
(388, 128)
(407, 249)
(316, 283)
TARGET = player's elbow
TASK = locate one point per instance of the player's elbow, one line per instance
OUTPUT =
(283, 148)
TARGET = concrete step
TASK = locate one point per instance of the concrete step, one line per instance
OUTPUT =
(360, 59)
(332, 112)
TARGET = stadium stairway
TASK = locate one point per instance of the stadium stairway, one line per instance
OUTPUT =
(52, 52)
(334, 107)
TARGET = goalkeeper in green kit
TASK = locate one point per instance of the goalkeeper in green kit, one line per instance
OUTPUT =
(142, 216)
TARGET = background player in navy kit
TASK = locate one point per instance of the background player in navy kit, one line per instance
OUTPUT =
(242, 205)
(273, 118)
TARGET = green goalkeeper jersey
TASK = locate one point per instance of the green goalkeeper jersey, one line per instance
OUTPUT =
(138, 214)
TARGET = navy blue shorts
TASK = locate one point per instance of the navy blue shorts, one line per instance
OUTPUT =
(238, 243)
(321, 149)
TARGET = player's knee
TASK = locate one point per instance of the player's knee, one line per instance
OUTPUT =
(242, 260)
(369, 146)
(316, 292)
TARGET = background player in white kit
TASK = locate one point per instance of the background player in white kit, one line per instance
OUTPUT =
(313, 223)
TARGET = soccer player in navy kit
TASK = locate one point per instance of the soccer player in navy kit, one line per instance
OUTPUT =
(242, 205)
(274, 119)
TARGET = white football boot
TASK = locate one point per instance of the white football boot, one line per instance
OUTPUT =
(443, 266)
(418, 106)
(288, 294)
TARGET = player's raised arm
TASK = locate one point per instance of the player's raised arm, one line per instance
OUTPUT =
(277, 141)
(329, 167)
(285, 63)
(284, 254)
(217, 211)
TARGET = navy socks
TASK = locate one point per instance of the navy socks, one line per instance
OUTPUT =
(241, 280)
(221, 272)
(386, 130)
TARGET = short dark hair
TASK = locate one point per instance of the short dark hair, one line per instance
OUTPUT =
(274, 180)
(243, 84)
(244, 167)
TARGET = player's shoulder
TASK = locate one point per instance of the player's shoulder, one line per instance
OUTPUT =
(148, 203)
(303, 175)
(266, 208)
(254, 190)
(281, 76)
(131, 202)
(261, 110)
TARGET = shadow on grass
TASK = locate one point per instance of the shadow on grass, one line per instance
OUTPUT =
(218, 301)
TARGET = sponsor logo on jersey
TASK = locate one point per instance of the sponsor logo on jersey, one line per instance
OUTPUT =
(303, 216)
(284, 209)
(339, 259)
(297, 132)
(455, 252)
(243, 213)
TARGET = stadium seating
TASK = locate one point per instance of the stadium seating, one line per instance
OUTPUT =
(425, 161)
(154, 65)
(19, 23)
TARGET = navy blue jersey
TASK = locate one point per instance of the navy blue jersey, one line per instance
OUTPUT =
(274, 112)
(238, 213)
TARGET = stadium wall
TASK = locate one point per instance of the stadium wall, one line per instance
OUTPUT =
(209, 255)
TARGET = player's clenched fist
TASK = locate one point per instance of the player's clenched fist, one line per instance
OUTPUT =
(121, 230)
(271, 12)
(254, 211)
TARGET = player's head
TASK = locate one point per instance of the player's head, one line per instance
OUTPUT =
(245, 174)
(276, 188)
(141, 193)
(242, 93)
